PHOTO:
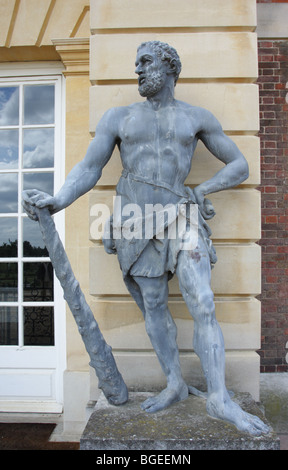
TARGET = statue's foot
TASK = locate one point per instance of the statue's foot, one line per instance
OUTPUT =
(167, 397)
(227, 410)
(198, 393)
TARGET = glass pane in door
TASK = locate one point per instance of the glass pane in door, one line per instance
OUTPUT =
(9, 106)
(8, 192)
(38, 326)
(8, 326)
(38, 151)
(38, 282)
(41, 181)
(8, 282)
(9, 149)
(8, 237)
(33, 244)
(39, 104)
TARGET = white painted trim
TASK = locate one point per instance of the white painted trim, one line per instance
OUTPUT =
(60, 304)
(30, 406)
(30, 69)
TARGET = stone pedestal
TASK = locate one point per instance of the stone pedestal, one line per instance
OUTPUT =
(182, 427)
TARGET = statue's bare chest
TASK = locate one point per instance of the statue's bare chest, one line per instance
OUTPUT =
(157, 128)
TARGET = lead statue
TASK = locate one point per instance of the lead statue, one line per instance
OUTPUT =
(157, 139)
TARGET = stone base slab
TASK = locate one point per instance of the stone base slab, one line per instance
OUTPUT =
(183, 426)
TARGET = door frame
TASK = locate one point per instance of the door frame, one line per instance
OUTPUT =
(15, 362)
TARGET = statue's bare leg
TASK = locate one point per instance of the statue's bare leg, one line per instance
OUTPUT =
(162, 333)
(194, 273)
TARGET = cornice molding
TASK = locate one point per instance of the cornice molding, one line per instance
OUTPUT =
(74, 53)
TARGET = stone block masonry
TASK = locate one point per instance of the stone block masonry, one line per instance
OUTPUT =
(273, 90)
(219, 58)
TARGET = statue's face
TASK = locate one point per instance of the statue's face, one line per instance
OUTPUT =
(151, 70)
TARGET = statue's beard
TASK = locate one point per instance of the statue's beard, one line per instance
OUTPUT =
(152, 84)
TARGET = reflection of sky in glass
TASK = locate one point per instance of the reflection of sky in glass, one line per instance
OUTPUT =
(38, 148)
(41, 181)
(8, 235)
(9, 106)
(8, 192)
(38, 104)
(33, 241)
(8, 149)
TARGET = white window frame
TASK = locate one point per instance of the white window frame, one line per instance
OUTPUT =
(40, 73)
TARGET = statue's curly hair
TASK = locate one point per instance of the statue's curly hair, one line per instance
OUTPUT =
(165, 52)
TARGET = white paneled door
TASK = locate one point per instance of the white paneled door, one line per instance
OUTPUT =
(32, 336)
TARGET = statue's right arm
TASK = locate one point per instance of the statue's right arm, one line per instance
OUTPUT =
(85, 174)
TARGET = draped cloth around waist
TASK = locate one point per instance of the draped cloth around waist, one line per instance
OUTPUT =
(152, 256)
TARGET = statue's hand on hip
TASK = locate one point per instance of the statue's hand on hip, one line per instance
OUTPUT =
(205, 205)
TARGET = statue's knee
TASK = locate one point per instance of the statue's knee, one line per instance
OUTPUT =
(206, 301)
(202, 306)
(153, 301)
(199, 297)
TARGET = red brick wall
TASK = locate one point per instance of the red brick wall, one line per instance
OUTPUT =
(273, 89)
(272, 1)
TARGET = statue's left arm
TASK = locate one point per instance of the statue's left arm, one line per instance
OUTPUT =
(222, 147)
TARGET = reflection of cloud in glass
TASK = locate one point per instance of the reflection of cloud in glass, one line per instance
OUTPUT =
(38, 104)
(8, 233)
(9, 106)
(41, 181)
(38, 148)
(8, 192)
(8, 149)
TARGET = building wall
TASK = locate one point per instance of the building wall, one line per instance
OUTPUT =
(273, 89)
(219, 57)
(221, 78)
